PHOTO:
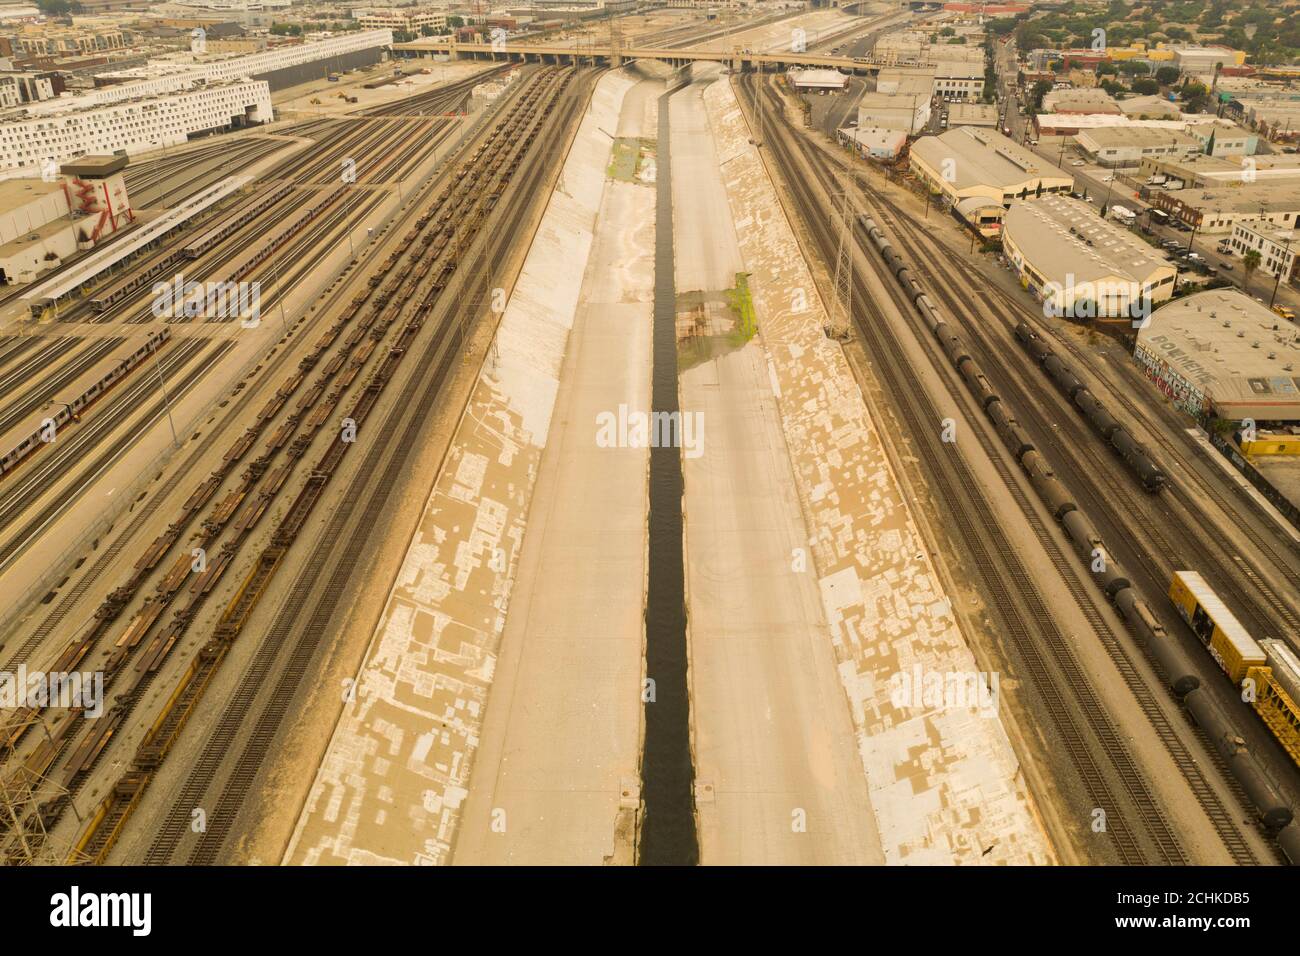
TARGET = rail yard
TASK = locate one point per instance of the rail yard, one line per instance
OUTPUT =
(563, 446)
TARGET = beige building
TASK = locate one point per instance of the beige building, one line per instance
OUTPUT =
(1080, 101)
(959, 80)
(1117, 147)
(54, 41)
(1081, 265)
(905, 79)
(1223, 353)
(972, 114)
(908, 112)
(1201, 171)
(1149, 107)
(967, 162)
(1217, 210)
(1224, 139)
(405, 19)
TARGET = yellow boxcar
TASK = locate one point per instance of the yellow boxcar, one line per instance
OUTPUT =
(1272, 444)
(1216, 626)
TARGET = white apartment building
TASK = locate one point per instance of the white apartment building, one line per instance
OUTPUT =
(166, 76)
(1276, 247)
(135, 127)
(19, 88)
(160, 104)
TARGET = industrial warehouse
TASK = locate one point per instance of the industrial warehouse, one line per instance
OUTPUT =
(1222, 354)
(614, 434)
(1082, 266)
(970, 162)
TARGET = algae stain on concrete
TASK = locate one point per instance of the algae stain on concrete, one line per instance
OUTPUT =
(632, 160)
(712, 324)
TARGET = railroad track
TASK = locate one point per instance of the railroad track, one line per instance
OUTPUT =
(443, 99)
(1169, 521)
(359, 204)
(177, 172)
(116, 811)
(37, 637)
(1098, 467)
(298, 250)
(1136, 826)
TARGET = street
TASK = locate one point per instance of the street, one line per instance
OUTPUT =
(1102, 186)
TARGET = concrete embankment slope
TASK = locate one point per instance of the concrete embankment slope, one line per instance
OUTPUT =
(944, 782)
(556, 777)
(393, 783)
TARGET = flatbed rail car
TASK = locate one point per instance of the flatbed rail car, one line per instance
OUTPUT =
(72, 410)
(234, 220)
(1267, 669)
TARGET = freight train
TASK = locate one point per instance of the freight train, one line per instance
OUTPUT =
(1272, 808)
(1112, 432)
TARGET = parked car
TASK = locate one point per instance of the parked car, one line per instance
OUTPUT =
(1077, 162)
(1226, 266)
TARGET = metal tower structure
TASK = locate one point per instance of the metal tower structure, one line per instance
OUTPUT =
(840, 319)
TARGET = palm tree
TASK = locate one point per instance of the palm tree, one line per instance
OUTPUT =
(1250, 262)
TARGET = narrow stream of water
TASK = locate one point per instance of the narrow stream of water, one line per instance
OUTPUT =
(667, 774)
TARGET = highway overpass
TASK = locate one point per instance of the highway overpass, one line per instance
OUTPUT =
(586, 52)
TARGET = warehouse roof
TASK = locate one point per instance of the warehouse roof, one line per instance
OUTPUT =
(1149, 106)
(892, 101)
(875, 137)
(983, 157)
(1082, 121)
(1235, 349)
(972, 114)
(1281, 196)
(1122, 136)
(19, 192)
(899, 76)
(959, 69)
(1063, 237)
